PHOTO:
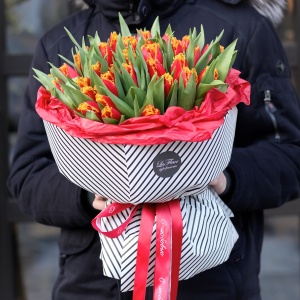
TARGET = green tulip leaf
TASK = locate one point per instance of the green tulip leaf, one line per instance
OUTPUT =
(187, 95)
(124, 27)
(204, 88)
(172, 96)
(203, 61)
(159, 95)
(110, 121)
(224, 60)
(155, 29)
(92, 116)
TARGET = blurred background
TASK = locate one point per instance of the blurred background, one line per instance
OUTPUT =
(28, 251)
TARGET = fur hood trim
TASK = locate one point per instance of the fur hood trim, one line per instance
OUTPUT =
(271, 9)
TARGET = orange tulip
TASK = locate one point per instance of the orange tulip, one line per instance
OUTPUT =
(178, 64)
(104, 100)
(168, 83)
(129, 40)
(106, 52)
(89, 91)
(129, 68)
(153, 51)
(109, 81)
(97, 68)
(89, 106)
(216, 74)
(68, 71)
(146, 34)
(204, 49)
(185, 42)
(197, 54)
(150, 110)
(110, 112)
(176, 45)
(83, 81)
(166, 38)
(155, 67)
(187, 74)
(78, 60)
(202, 73)
(112, 41)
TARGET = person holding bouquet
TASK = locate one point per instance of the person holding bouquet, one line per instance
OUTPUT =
(264, 171)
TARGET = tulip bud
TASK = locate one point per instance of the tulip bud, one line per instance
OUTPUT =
(106, 52)
(129, 40)
(166, 38)
(155, 67)
(89, 91)
(204, 50)
(176, 45)
(78, 60)
(146, 34)
(153, 51)
(197, 54)
(150, 110)
(110, 112)
(97, 68)
(187, 73)
(185, 42)
(129, 68)
(83, 81)
(104, 100)
(89, 106)
(202, 73)
(168, 82)
(113, 41)
(109, 81)
(68, 71)
(178, 64)
(216, 74)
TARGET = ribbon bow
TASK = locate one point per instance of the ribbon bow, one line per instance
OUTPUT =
(168, 245)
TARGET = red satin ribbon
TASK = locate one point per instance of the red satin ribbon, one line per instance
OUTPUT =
(162, 272)
(143, 251)
(110, 211)
(168, 245)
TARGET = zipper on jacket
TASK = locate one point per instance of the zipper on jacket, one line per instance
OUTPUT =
(270, 109)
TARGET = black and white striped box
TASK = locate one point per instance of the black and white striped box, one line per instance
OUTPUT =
(138, 174)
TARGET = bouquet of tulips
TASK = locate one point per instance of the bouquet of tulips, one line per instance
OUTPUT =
(132, 76)
(158, 115)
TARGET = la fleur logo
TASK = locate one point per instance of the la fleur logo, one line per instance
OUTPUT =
(166, 164)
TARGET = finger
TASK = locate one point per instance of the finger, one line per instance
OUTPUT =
(219, 183)
(98, 197)
(99, 203)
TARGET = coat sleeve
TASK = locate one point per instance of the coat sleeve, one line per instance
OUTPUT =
(34, 180)
(265, 164)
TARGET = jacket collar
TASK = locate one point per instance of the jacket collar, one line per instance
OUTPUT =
(134, 11)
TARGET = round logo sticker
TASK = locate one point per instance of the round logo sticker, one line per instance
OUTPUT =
(166, 164)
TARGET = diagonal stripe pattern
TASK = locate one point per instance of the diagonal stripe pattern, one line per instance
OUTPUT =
(126, 173)
(208, 238)
(129, 173)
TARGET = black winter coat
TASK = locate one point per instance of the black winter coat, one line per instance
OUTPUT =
(265, 164)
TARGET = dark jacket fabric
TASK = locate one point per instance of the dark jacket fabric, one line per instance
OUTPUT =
(265, 163)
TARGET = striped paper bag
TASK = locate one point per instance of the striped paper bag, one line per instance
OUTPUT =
(207, 239)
